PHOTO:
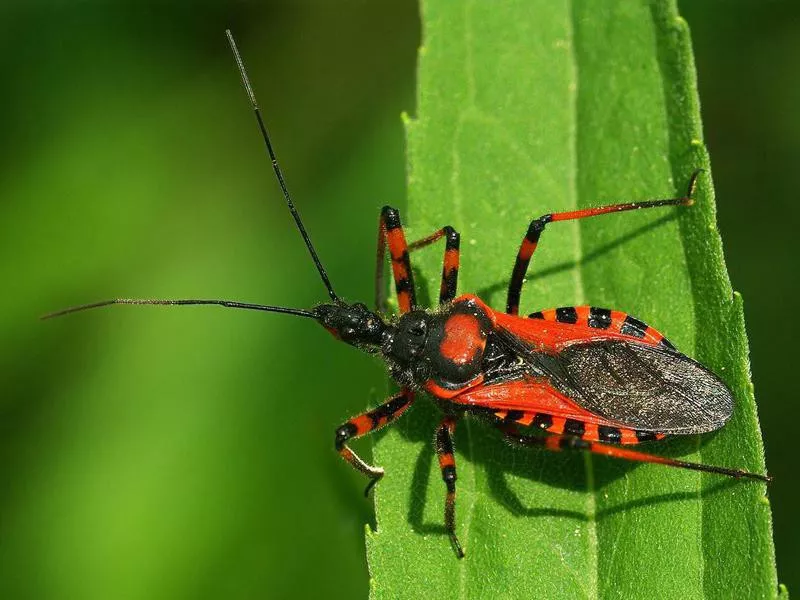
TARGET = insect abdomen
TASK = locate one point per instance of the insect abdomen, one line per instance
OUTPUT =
(605, 320)
(585, 430)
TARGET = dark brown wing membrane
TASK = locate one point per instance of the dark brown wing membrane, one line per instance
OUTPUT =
(643, 387)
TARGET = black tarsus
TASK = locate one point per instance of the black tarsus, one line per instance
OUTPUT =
(231, 303)
(251, 95)
(693, 184)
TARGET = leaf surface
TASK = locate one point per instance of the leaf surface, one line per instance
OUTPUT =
(527, 107)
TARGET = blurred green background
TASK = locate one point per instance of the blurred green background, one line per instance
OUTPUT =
(187, 453)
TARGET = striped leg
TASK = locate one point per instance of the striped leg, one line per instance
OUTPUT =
(537, 226)
(390, 233)
(366, 423)
(570, 442)
(449, 285)
(447, 463)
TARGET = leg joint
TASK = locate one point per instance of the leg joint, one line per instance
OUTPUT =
(344, 433)
(451, 236)
(537, 227)
(391, 217)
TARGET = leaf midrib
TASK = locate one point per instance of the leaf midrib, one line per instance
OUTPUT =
(580, 295)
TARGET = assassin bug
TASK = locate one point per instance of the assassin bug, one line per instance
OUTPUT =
(583, 378)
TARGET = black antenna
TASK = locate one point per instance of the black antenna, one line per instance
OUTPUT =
(249, 89)
(225, 303)
(230, 303)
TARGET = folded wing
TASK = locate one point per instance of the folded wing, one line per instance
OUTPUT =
(642, 386)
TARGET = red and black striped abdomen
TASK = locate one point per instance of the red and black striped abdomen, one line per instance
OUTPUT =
(590, 431)
(556, 328)
(535, 403)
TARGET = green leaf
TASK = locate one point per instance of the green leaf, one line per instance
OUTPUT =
(527, 107)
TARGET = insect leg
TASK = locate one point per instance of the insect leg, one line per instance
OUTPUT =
(570, 442)
(447, 463)
(390, 233)
(449, 285)
(536, 227)
(366, 423)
